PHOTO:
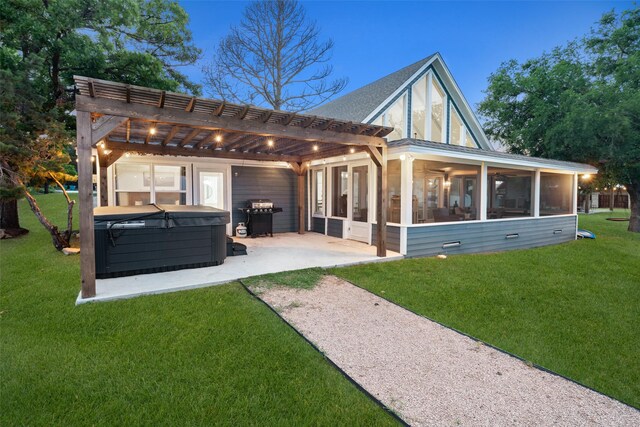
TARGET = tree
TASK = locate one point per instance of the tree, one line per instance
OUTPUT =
(274, 56)
(42, 45)
(581, 102)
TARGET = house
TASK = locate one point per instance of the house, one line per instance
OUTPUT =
(401, 163)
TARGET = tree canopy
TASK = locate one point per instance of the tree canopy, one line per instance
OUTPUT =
(43, 43)
(274, 57)
(580, 102)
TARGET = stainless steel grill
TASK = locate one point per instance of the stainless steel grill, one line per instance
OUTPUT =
(260, 217)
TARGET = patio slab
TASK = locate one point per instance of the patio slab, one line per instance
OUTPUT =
(283, 252)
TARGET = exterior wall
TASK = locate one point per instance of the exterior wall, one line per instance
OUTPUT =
(318, 225)
(490, 236)
(334, 227)
(278, 184)
(393, 237)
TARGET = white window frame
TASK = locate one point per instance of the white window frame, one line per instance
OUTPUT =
(314, 190)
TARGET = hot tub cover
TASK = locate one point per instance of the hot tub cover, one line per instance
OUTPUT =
(158, 216)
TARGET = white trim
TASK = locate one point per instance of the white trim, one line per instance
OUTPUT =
(484, 191)
(574, 195)
(536, 194)
(403, 240)
(406, 191)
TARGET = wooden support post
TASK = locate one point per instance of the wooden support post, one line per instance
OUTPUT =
(300, 169)
(85, 198)
(381, 201)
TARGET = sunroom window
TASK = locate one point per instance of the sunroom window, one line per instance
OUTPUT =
(339, 180)
(437, 112)
(509, 193)
(556, 194)
(395, 118)
(419, 108)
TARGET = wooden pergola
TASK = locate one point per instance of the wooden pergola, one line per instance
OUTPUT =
(117, 118)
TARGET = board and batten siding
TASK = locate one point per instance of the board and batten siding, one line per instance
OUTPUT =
(334, 227)
(278, 184)
(490, 236)
(393, 237)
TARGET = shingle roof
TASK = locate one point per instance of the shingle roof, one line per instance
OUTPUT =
(357, 105)
(456, 149)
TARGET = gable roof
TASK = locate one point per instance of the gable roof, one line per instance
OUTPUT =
(357, 105)
(366, 103)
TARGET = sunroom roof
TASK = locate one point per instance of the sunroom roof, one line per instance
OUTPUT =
(486, 155)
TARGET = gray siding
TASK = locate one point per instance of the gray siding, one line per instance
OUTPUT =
(334, 227)
(489, 236)
(393, 237)
(318, 225)
(277, 184)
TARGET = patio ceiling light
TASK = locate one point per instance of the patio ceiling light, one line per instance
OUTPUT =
(152, 130)
(218, 138)
(352, 150)
(315, 147)
(586, 177)
(402, 157)
(270, 142)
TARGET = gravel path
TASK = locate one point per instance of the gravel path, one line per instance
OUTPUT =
(431, 375)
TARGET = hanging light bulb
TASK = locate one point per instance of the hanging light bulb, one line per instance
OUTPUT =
(352, 150)
(270, 142)
(152, 130)
(315, 147)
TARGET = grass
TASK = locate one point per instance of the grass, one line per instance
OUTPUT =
(301, 279)
(209, 356)
(572, 308)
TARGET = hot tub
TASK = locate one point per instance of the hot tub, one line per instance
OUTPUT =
(153, 238)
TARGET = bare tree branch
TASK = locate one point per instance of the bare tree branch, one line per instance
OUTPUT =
(273, 57)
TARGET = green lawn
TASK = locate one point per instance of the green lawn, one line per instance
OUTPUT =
(209, 356)
(572, 308)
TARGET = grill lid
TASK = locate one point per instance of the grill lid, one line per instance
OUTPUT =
(259, 203)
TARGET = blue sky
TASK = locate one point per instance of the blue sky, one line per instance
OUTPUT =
(375, 38)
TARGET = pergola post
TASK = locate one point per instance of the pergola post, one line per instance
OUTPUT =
(85, 199)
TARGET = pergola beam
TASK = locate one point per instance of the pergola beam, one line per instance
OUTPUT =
(104, 125)
(233, 124)
(183, 151)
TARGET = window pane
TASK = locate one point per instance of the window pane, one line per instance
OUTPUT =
(319, 192)
(395, 119)
(132, 198)
(339, 194)
(394, 183)
(360, 193)
(170, 178)
(444, 192)
(133, 177)
(456, 128)
(469, 141)
(171, 198)
(418, 108)
(509, 193)
(556, 194)
(437, 112)
(212, 189)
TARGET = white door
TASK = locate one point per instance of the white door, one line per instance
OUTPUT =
(211, 189)
(358, 225)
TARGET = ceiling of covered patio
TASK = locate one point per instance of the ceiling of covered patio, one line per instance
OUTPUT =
(144, 120)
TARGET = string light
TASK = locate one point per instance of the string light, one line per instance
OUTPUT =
(218, 138)
(152, 131)
(315, 147)
(270, 142)
(352, 150)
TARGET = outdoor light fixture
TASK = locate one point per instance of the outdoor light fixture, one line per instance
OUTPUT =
(344, 158)
(152, 131)
(402, 157)
(447, 184)
(270, 142)
(352, 150)
(586, 176)
(315, 147)
(127, 154)
(218, 138)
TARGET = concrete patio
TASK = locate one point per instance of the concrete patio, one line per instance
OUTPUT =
(283, 252)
